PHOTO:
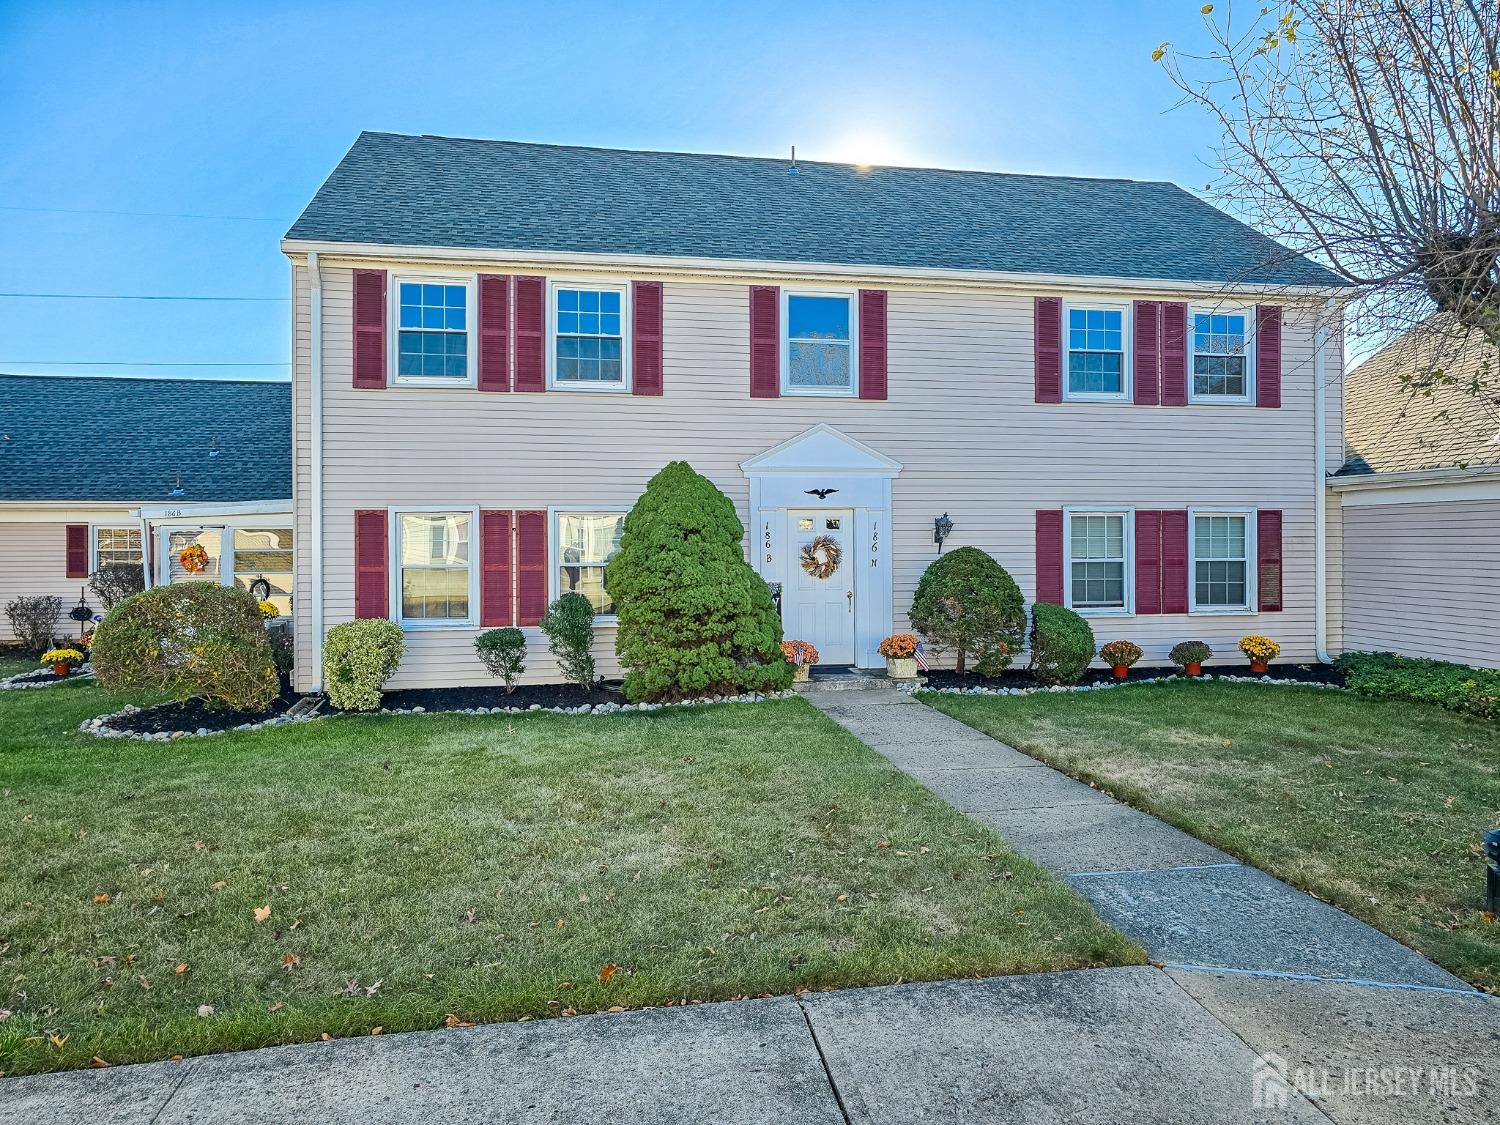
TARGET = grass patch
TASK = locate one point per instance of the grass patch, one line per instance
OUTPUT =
(1374, 806)
(492, 868)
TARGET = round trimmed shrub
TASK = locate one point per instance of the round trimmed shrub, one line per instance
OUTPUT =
(694, 618)
(503, 652)
(569, 625)
(967, 602)
(358, 658)
(1062, 644)
(193, 638)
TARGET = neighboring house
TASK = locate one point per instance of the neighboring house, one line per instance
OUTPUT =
(1420, 494)
(133, 470)
(1108, 385)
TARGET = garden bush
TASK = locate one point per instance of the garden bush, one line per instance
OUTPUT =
(569, 625)
(503, 652)
(1062, 644)
(358, 658)
(1190, 652)
(694, 618)
(32, 620)
(191, 639)
(112, 583)
(1384, 675)
(967, 602)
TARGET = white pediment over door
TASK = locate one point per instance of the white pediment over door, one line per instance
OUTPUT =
(822, 449)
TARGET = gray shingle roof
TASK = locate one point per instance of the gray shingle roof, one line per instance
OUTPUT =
(394, 189)
(126, 439)
(1390, 429)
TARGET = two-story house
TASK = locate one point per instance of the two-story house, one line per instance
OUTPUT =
(1110, 386)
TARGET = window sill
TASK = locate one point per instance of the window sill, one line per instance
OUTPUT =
(395, 382)
(1227, 611)
(1079, 396)
(1215, 400)
(585, 388)
(804, 392)
(435, 626)
(1119, 612)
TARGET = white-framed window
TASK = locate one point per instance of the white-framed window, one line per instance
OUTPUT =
(1098, 547)
(583, 541)
(263, 564)
(588, 339)
(116, 545)
(432, 330)
(179, 539)
(1221, 545)
(818, 356)
(1097, 365)
(1223, 362)
(435, 578)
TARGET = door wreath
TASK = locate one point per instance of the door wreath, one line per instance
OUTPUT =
(820, 558)
(193, 559)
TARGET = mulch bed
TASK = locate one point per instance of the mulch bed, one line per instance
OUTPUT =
(464, 698)
(1020, 678)
(195, 715)
(41, 675)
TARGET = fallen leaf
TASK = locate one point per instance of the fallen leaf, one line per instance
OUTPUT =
(220, 885)
(101, 899)
(615, 1008)
(290, 961)
(144, 983)
(4, 1014)
(57, 1040)
(97, 1062)
(842, 898)
(883, 844)
(326, 1037)
(26, 819)
(371, 990)
(607, 973)
(262, 913)
(276, 1007)
(454, 1021)
(199, 845)
(205, 1010)
(175, 1058)
(1488, 916)
(376, 1030)
(469, 916)
(181, 968)
(570, 1011)
(1227, 741)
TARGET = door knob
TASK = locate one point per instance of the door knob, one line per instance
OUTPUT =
(850, 596)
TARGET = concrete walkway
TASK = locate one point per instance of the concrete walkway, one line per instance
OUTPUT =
(1275, 1033)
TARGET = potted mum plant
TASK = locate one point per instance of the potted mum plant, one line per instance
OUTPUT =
(801, 656)
(900, 652)
(1189, 656)
(1120, 655)
(62, 660)
(1261, 651)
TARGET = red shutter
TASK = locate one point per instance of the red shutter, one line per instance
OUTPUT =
(77, 540)
(765, 341)
(531, 567)
(371, 555)
(1147, 562)
(1146, 352)
(1268, 559)
(645, 311)
(494, 332)
(1047, 349)
(872, 345)
(531, 334)
(1049, 555)
(494, 569)
(369, 329)
(1173, 353)
(1268, 355)
(1174, 562)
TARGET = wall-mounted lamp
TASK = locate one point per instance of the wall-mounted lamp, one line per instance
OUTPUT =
(942, 527)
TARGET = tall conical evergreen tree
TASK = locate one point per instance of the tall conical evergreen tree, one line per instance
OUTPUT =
(694, 618)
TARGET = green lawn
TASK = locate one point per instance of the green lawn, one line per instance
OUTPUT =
(1375, 806)
(485, 867)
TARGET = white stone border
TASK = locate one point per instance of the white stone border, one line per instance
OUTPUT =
(18, 682)
(99, 728)
(1105, 685)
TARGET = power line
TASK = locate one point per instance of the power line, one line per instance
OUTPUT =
(140, 214)
(133, 297)
(127, 363)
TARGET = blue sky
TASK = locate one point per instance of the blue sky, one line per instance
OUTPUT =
(238, 111)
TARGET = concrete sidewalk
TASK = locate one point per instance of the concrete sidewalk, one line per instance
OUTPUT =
(1100, 1045)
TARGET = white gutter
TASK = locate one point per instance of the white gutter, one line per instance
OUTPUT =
(1415, 478)
(641, 265)
(1320, 485)
(315, 455)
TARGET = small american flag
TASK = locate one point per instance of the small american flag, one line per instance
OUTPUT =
(921, 656)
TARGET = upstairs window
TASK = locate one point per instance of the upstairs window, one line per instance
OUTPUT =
(1096, 353)
(1221, 363)
(586, 541)
(433, 553)
(819, 355)
(588, 337)
(1097, 561)
(432, 333)
(1221, 562)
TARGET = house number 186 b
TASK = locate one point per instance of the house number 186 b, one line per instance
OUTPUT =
(768, 541)
(874, 544)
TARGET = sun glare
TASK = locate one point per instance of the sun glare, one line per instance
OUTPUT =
(865, 150)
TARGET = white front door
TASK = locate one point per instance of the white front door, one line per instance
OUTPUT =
(820, 610)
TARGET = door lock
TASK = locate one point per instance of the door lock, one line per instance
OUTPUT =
(850, 596)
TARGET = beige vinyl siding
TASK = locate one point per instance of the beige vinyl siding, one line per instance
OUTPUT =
(33, 559)
(960, 418)
(1420, 579)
